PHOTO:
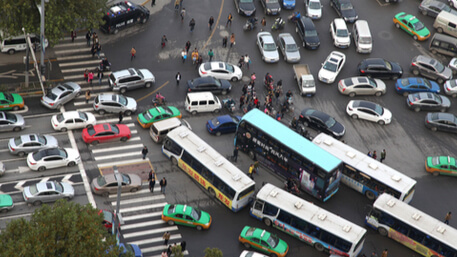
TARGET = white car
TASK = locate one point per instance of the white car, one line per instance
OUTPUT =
(332, 67)
(252, 254)
(53, 158)
(453, 64)
(72, 120)
(313, 9)
(450, 87)
(370, 111)
(220, 70)
(340, 33)
(267, 47)
(453, 3)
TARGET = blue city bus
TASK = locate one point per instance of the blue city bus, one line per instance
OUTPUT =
(288, 154)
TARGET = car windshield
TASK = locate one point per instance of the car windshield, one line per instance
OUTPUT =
(269, 47)
(311, 33)
(229, 67)
(215, 122)
(273, 241)
(59, 186)
(107, 215)
(330, 122)
(365, 40)
(246, 1)
(427, 83)
(114, 128)
(17, 141)
(346, 6)
(446, 8)
(378, 109)
(125, 179)
(91, 131)
(453, 83)
(123, 100)
(33, 190)
(216, 81)
(250, 232)
(372, 82)
(436, 98)
(342, 32)
(330, 66)
(439, 67)
(139, 73)
(418, 26)
(83, 115)
(196, 214)
(9, 97)
(291, 48)
(59, 117)
(314, 5)
(51, 95)
(147, 115)
(101, 181)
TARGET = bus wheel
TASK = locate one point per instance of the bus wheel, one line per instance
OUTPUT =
(251, 155)
(382, 231)
(212, 192)
(267, 222)
(319, 247)
(174, 161)
(370, 195)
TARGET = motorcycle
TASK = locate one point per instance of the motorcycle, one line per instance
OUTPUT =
(158, 100)
(251, 23)
(229, 104)
(279, 24)
(294, 17)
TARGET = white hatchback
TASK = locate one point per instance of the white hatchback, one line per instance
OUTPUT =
(332, 67)
(220, 70)
(72, 120)
(340, 33)
(370, 111)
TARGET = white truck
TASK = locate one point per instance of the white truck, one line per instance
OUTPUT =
(305, 80)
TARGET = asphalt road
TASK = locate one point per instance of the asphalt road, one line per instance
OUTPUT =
(406, 140)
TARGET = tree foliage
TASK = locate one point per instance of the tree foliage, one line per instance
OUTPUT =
(62, 229)
(61, 17)
(213, 252)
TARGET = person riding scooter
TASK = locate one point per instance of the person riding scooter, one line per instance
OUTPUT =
(295, 17)
(105, 64)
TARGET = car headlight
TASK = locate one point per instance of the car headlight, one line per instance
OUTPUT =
(268, 10)
(279, 9)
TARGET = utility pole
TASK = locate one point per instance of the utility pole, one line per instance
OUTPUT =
(27, 52)
(42, 38)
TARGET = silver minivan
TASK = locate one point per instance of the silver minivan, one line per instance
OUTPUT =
(362, 37)
(159, 130)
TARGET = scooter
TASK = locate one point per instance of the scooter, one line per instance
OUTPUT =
(251, 23)
(294, 17)
(279, 24)
(158, 101)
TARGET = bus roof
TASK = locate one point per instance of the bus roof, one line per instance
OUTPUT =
(363, 162)
(290, 138)
(210, 158)
(418, 219)
(311, 213)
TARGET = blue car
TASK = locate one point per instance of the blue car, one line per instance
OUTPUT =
(132, 248)
(223, 124)
(406, 86)
(288, 4)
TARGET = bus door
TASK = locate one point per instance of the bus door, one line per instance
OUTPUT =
(257, 209)
(372, 218)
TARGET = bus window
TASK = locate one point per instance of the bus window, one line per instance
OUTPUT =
(298, 223)
(172, 147)
(328, 238)
(313, 230)
(285, 217)
(269, 209)
(416, 235)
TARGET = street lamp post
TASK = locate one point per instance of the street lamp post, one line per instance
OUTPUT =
(42, 39)
(118, 177)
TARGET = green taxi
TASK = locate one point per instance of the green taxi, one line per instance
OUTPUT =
(444, 165)
(158, 113)
(6, 203)
(11, 102)
(264, 241)
(411, 25)
(186, 215)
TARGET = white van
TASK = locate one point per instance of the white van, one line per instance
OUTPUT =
(362, 37)
(14, 44)
(159, 130)
(202, 102)
(446, 22)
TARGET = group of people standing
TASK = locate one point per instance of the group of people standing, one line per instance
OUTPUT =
(374, 155)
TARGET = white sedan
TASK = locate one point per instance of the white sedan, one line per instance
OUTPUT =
(313, 9)
(267, 47)
(220, 70)
(53, 158)
(340, 33)
(72, 120)
(332, 67)
(370, 111)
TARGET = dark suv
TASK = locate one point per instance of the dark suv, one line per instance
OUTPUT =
(430, 68)
(209, 84)
(308, 33)
(380, 68)
(345, 10)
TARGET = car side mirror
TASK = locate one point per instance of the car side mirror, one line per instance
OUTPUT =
(322, 64)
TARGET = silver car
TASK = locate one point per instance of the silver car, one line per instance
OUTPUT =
(288, 47)
(107, 184)
(11, 122)
(60, 95)
(132, 78)
(114, 103)
(267, 47)
(450, 87)
(361, 86)
(430, 68)
(30, 143)
(45, 192)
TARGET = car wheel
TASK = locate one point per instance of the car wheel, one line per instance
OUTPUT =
(96, 142)
(101, 112)
(15, 108)
(11, 51)
(440, 30)
(105, 194)
(63, 129)
(416, 72)
(133, 190)
(212, 192)
(273, 255)
(382, 231)
(194, 112)
(454, 95)
(405, 93)
(319, 247)
(440, 80)
(71, 164)
(148, 85)
(174, 161)
(397, 25)
(224, 92)
(267, 222)
(16, 129)
(352, 94)
(247, 245)
(417, 109)
(218, 133)
(123, 139)
(170, 222)
(123, 90)
(434, 129)
(42, 168)
(21, 154)
(199, 228)
(217, 110)
(381, 122)
(378, 94)
(37, 203)
(415, 37)
(354, 116)
(128, 113)
(234, 79)
(370, 195)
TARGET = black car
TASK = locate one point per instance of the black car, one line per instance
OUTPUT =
(380, 68)
(441, 121)
(345, 10)
(307, 32)
(245, 7)
(271, 7)
(426, 101)
(321, 122)
(209, 84)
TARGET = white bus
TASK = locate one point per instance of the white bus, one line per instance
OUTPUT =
(209, 168)
(365, 174)
(409, 226)
(308, 222)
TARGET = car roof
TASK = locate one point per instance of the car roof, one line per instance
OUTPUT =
(45, 186)
(364, 104)
(309, 24)
(425, 59)
(102, 127)
(340, 23)
(443, 116)
(224, 118)
(124, 73)
(335, 56)
(287, 37)
(71, 114)
(267, 37)
(375, 62)
(29, 138)
(202, 80)
(108, 97)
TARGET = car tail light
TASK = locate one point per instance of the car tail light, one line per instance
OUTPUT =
(190, 90)
(342, 90)
(12, 149)
(41, 98)
(33, 163)
(301, 116)
(203, 72)
(51, 104)
(413, 64)
(96, 189)
(55, 125)
(427, 121)
(96, 106)
(362, 71)
(398, 88)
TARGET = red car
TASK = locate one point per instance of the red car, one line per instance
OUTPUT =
(108, 219)
(105, 133)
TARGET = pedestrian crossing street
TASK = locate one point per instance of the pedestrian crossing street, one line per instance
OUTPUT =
(141, 211)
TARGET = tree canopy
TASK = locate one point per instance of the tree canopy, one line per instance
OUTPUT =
(61, 17)
(62, 229)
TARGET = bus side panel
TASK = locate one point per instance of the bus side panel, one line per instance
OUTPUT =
(203, 182)
(411, 244)
(352, 184)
